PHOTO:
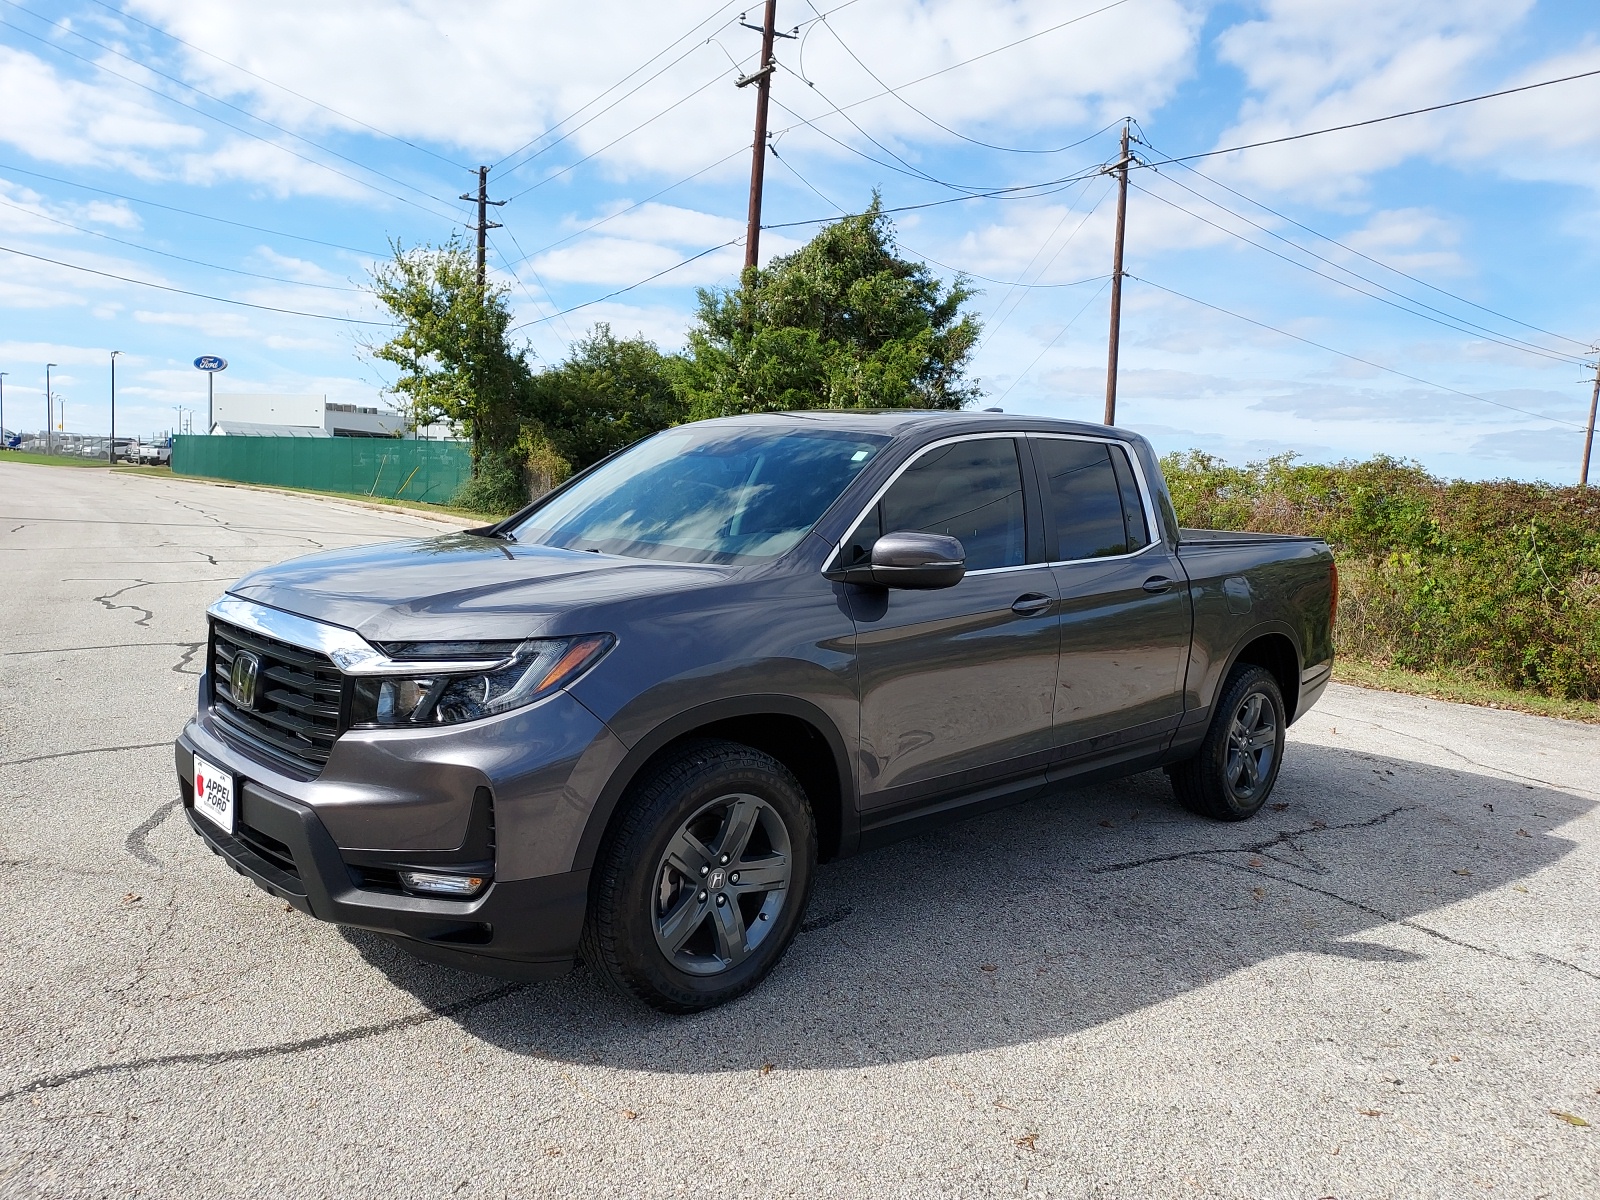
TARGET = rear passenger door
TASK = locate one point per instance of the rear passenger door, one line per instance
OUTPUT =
(1125, 617)
(957, 685)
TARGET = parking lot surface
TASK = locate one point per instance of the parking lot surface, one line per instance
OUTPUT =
(1385, 985)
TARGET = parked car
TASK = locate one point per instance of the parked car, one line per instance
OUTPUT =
(630, 720)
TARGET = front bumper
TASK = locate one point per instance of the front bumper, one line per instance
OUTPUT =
(520, 928)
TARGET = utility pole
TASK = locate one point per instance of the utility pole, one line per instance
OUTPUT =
(49, 412)
(111, 448)
(1121, 170)
(762, 78)
(484, 224)
(1588, 434)
(3, 443)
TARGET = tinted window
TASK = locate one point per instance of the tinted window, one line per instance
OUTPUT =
(1094, 498)
(704, 494)
(971, 490)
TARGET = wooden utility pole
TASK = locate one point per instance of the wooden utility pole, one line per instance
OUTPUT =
(1588, 433)
(762, 78)
(484, 224)
(1121, 170)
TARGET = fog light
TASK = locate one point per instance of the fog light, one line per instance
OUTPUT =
(442, 885)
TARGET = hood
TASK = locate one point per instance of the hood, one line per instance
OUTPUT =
(462, 586)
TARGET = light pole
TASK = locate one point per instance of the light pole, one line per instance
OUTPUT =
(49, 412)
(111, 450)
(3, 375)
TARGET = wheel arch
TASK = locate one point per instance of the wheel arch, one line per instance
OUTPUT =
(796, 733)
(1273, 650)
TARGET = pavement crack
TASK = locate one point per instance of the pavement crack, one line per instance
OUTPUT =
(1571, 966)
(82, 649)
(105, 602)
(278, 1050)
(17, 762)
(1283, 838)
(136, 843)
(193, 648)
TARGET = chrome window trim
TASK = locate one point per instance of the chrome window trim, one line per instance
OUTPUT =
(348, 650)
(989, 435)
(1152, 527)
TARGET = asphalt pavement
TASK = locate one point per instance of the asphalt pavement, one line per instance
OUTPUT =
(1385, 985)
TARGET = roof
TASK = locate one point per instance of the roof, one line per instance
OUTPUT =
(255, 429)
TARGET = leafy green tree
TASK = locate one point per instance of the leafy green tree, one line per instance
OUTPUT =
(451, 346)
(844, 322)
(609, 392)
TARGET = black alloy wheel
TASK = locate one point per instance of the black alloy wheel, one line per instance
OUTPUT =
(1230, 777)
(700, 885)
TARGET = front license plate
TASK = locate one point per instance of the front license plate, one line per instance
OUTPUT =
(213, 794)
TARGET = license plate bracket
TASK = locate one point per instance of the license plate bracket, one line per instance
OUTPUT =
(214, 794)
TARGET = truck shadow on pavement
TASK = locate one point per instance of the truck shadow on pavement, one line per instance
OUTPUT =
(1060, 914)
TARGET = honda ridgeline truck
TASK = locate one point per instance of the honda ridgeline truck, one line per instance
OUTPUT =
(628, 722)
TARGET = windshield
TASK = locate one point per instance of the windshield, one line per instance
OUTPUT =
(716, 494)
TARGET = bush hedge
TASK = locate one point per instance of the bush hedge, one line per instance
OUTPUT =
(1497, 580)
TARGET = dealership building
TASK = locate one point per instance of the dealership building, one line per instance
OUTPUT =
(265, 415)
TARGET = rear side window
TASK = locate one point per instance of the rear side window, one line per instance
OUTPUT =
(971, 490)
(1094, 498)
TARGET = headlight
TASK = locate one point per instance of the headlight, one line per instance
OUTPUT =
(523, 672)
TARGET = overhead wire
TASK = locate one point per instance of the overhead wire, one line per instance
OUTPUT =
(1410, 112)
(128, 16)
(1480, 331)
(163, 287)
(1352, 357)
(168, 254)
(1375, 261)
(1078, 228)
(189, 212)
(845, 46)
(1051, 345)
(526, 291)
(154, 91)
(623, 290)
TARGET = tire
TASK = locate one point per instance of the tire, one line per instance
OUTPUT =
(1230, 777)
(700, 886)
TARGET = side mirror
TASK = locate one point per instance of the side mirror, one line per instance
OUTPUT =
(909, 560)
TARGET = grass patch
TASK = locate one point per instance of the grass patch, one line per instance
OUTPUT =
(1459, 689)
(50, 460)
(359, 497)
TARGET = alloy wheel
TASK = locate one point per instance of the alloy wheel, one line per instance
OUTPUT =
(721, 883)
(1252, 745)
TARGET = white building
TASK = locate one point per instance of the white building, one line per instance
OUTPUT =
(266, 415)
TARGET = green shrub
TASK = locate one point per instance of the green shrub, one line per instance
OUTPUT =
(1500, 580)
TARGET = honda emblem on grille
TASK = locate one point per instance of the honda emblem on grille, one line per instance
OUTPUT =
(242, 679)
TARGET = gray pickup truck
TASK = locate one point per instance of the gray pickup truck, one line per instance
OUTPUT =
(629, 721)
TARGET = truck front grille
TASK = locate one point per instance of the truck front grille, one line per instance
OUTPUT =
(298, 708)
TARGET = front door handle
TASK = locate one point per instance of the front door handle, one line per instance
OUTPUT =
(1028, 604)
(1158, 583)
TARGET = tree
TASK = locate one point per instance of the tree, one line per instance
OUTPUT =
(451, 347)
(608, 393)
(844, 322)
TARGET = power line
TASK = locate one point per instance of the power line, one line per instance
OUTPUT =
(229, 124)
(630, 287)
(1052, 343)
(1375, 261)
(128, 16)
(179, 257)
(1474, 330)
(990, 332)
(186, 292)
(189, 212)
(1411, 112)
(1035, 191)
(845, 46)
(1352, 357)
(718, 11)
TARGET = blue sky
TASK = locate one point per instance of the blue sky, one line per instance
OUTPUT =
(282, 147)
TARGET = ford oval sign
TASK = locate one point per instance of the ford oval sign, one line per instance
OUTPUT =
(210, 362)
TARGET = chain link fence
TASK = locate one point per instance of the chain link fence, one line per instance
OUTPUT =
(431, 472)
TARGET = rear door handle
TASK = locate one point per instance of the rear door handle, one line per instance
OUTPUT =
(1030, 603)
(1158, 583)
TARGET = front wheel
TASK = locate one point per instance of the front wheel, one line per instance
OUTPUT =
(1231, 775)
(701, 886)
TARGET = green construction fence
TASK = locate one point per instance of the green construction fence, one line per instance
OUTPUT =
(388, 467)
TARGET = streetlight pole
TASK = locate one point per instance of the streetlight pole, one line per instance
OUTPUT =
(111, 450)
(49, 412)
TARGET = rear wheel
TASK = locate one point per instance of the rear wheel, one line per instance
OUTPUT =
(700, 888)
(1233, 773)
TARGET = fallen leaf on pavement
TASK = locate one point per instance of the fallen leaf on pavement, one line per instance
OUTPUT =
(1027, 1141)
(1523, 833)
(990, 967)
(1569, 1118)
(1256, 862)
(1462, 871)
(1258, 892)
(1369, 1112)
(630, 1114)
(1517, 887)
(1279, 807)
(131, 898)
(766, 1068)
(1107, 825)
